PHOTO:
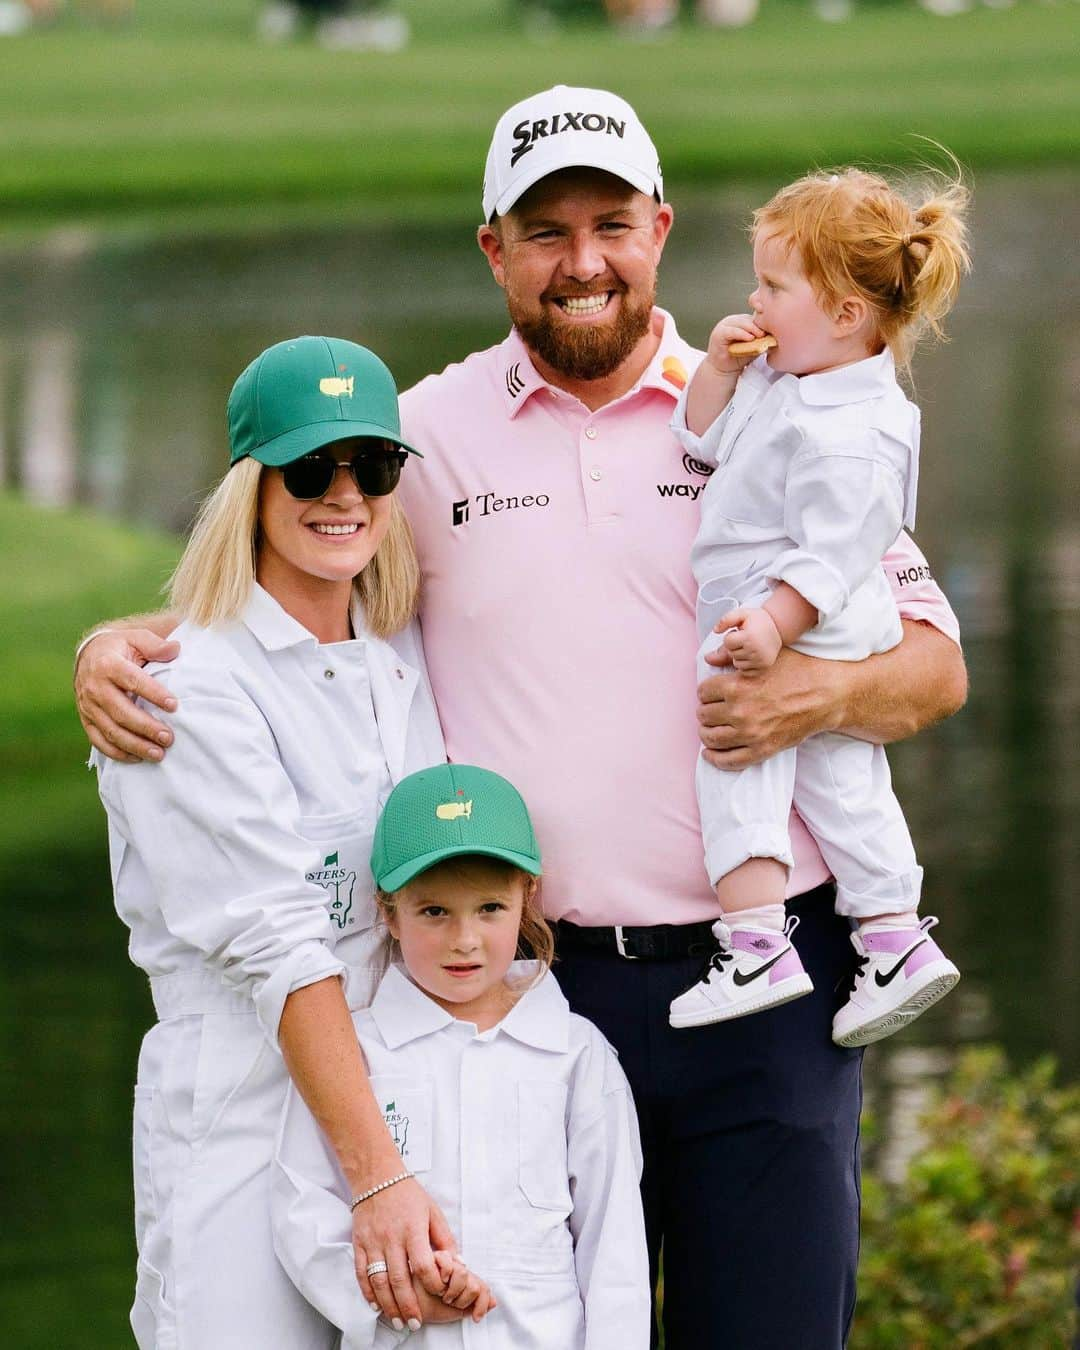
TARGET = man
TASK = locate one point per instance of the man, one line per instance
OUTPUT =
(553, 520)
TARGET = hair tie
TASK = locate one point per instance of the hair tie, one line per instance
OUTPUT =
(906, 241)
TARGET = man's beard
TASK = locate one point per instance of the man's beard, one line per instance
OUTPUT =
(584, 351)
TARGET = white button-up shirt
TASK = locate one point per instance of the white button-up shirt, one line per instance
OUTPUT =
(815, 477)
(525, 1135)
(241, 861)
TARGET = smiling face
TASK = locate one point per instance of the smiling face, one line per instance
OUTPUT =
(309, 552)
(457, 925)
(577, 257)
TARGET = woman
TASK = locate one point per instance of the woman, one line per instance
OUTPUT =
(240, 863)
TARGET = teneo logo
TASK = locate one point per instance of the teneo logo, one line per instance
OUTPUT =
(338, 884)
(698, 466)
(526, 134)
(490, 504)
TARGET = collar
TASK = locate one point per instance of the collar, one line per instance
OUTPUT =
(275, 630)
(668, 371)
(402, 1012)
(856, 383)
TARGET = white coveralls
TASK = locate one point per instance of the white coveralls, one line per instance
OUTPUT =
(815, 476)
(526, 1137)
(240, 865)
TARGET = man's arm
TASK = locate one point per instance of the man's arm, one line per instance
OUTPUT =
(888, 697)
(109, 677)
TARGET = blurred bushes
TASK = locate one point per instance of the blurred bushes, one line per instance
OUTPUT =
(979, 1244)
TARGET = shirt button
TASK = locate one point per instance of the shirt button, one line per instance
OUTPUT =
(399, 673)
(328, 674)
(590, 433)
(595, 475)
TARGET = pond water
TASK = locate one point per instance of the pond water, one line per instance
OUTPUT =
(116, 357)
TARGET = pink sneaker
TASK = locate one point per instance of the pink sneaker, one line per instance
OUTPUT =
(902, 971)
(755, 968)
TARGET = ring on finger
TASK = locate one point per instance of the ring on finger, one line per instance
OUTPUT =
(377, 1268)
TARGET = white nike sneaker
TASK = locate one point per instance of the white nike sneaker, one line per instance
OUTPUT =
(902, 972)
(754, 969)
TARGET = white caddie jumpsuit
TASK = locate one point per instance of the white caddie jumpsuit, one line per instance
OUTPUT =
(815, 477)
(240, 865)
(525, 1136)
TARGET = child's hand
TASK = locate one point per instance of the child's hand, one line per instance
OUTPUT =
(752, 639)
(734, 328)
(464, 1292)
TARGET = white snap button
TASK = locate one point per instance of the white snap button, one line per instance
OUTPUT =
(328, 674)
(590, 432)
(595, 475)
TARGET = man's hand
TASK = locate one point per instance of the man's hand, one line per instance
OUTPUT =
(108, 678)
(403, 1227)
(746, 717)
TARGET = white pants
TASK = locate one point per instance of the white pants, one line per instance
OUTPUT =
(841, 787)
(207, 1103)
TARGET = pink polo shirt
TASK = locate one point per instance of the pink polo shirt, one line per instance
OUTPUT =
(558, 618)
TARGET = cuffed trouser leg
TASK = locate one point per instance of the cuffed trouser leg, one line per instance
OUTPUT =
(843, 791)
(750, 1136)
(745, 812)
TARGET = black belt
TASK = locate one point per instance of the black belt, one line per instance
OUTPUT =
(662, 942)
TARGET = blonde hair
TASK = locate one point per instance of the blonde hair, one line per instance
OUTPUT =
(856, 234)
(214, 576)
(536, 941)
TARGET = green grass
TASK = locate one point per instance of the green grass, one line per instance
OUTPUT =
(72, 571)
(184, 110)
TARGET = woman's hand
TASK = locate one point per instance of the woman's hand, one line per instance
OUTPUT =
(403, 1227)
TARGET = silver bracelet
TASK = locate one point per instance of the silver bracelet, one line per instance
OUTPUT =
(359, 1199)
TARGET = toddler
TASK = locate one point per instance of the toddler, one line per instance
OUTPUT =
(816, 454)
(511, 1111)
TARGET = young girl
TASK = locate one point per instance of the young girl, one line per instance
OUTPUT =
(240, 862)
(512, 1110)
(816, 454)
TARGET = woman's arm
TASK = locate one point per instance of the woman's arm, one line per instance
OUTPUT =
(400, 1225)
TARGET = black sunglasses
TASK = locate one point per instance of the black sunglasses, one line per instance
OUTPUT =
(375, 473)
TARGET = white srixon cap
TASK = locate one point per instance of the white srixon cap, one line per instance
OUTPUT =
(567, 128)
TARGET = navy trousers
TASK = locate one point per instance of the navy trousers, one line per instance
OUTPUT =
(750, 1131)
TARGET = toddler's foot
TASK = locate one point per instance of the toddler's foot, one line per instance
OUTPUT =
(902, 971)
(754, 968)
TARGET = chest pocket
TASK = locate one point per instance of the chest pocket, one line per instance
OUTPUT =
(749, 488)
(344, 867)
(406, 1105)
(542, 1162)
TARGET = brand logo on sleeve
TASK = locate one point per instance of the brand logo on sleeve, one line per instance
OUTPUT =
(910, 575)
(338, 884)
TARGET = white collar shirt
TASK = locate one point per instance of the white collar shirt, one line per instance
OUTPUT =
(241, 861)
(815, 478)
(525, 1136)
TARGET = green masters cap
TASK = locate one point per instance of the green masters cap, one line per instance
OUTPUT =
(304, 393)
(446, 812)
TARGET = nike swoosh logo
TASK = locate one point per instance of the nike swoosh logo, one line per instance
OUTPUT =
(882, 980)
(741, 979)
